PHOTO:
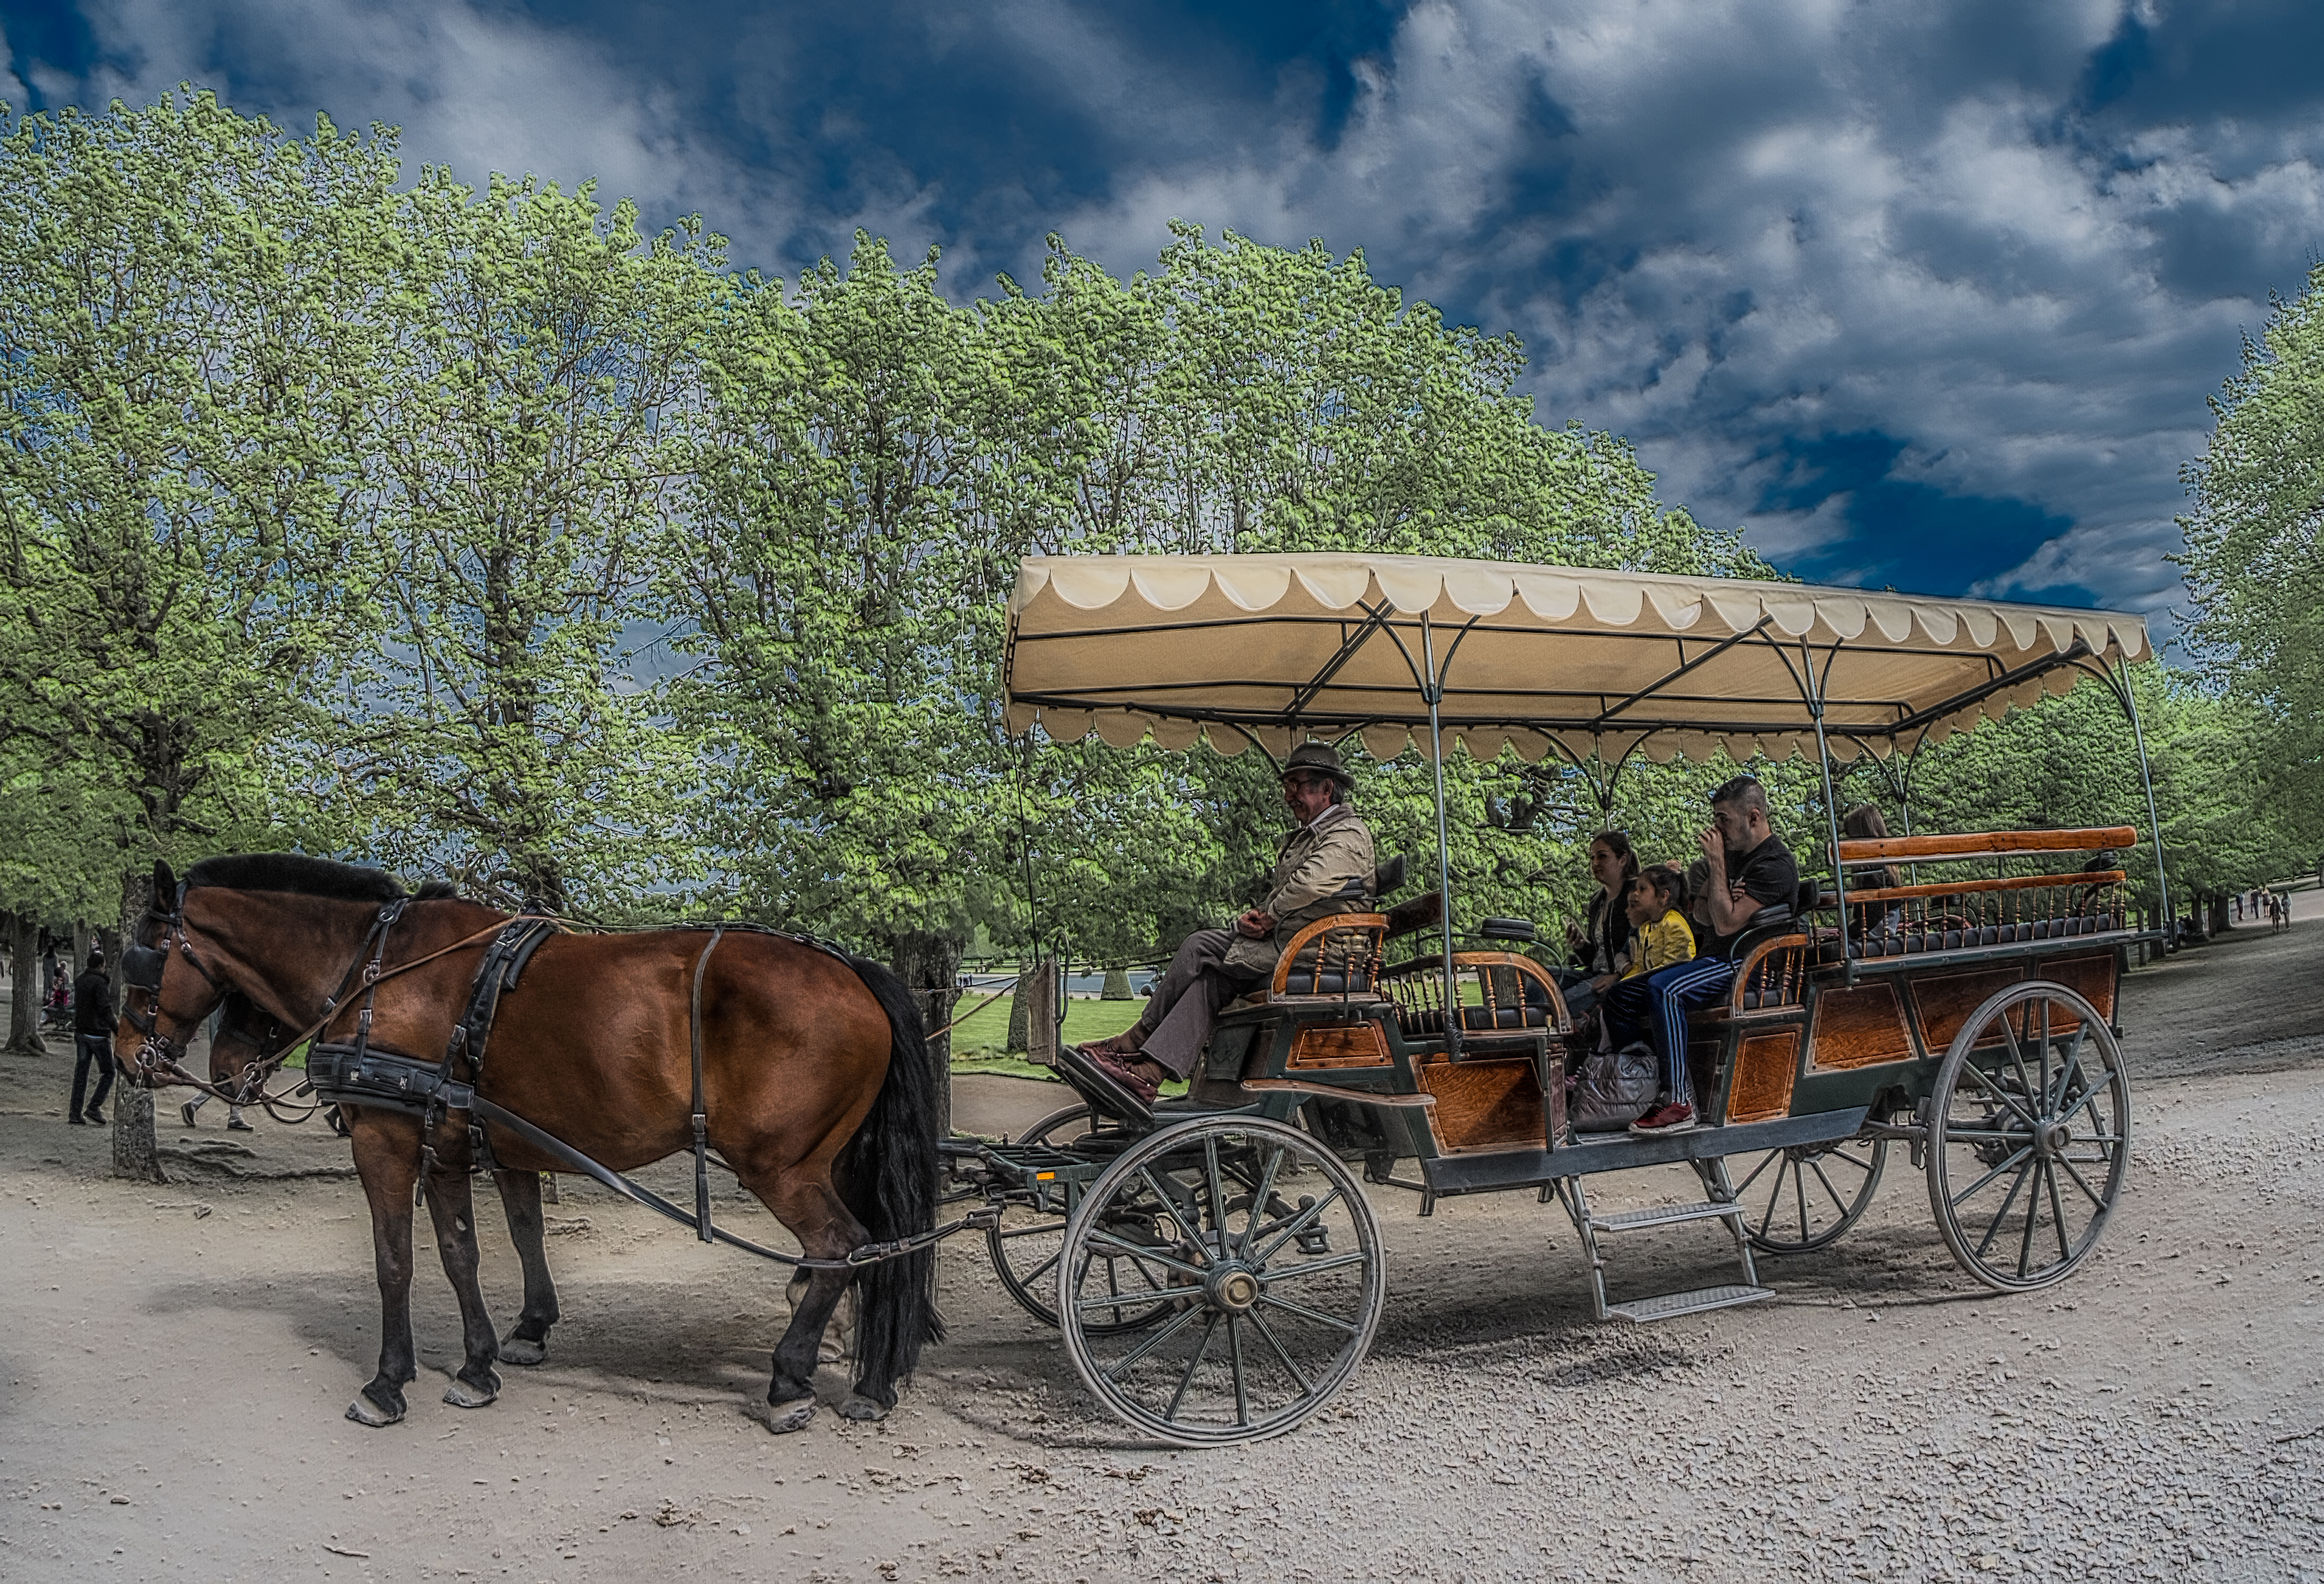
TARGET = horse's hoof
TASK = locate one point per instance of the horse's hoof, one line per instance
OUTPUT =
(524, 1350)
(864, 1410)
(364, 1410)
(782, 1418)
(461, 1395)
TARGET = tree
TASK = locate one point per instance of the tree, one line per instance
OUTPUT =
(536, 358)
(2255, 560)
(183, 318)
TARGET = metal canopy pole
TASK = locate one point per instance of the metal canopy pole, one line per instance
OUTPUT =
(1433, 689)
(2147, 780)
(1814, 693)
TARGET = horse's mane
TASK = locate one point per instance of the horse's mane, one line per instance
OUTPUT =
(305, 877)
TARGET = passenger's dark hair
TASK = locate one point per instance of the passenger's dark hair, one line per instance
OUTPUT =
(1668, 883)
(1743, 791)
(1618, 844)
(1864, 823)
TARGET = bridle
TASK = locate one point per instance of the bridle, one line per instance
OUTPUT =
(142, 968)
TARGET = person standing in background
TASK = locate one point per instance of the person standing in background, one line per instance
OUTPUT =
(93, 1022)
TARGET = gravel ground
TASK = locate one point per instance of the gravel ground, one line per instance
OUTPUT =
(174, 1361)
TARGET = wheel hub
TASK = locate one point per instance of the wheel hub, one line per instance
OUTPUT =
(1233, 1288)
(2051, 1139)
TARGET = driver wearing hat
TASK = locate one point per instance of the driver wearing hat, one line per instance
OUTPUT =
(1325, 867)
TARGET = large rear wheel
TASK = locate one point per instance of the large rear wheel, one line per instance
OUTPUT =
(2028, 1136)
(1270, 1258)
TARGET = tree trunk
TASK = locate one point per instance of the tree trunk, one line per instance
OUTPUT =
(930, 965)
(2219, 925)
(136, 1154)
(1117, 986)
(1041, 1013)
(24, 987)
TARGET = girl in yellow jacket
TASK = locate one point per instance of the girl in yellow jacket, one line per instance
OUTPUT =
(1659, 937)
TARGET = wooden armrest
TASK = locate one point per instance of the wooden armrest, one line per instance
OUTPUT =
(1375, 924)
(1986, 844)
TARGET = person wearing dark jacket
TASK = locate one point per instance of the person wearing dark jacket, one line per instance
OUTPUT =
(1600, 948)
(93, 1024)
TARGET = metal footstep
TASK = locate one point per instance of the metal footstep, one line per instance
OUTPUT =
(1671, 1305)
(1720, 1206)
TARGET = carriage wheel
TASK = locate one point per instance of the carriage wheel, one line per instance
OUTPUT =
(1272, 1258)
(1026, 1242)
(1806, 1196)
(2028, 1136)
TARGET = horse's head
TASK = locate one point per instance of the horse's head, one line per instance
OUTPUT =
(243, 1048)
(168, 990)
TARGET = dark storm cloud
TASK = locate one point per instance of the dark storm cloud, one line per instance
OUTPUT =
(1926, 295)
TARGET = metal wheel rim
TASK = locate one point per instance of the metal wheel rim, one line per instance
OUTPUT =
(1021, 1244)
(1813, 1192)
(1993, 1145)
(1277, 1370)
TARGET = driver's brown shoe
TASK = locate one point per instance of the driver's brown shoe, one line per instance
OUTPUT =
(1119, 1086)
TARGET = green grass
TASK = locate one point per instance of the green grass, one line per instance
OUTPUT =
(979, 1042)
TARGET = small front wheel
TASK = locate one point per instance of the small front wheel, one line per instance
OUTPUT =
(1268, 1257)
(1804, 1197)
(1028, 1239)
(2028, 1136)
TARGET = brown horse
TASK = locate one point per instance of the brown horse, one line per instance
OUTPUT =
(818, 1091)
(247, 1043)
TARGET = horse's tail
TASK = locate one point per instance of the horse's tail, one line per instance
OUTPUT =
(890, 1183)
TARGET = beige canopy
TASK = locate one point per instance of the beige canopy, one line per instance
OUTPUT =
(1272, 649)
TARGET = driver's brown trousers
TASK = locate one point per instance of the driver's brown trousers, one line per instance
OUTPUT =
(1187, 999)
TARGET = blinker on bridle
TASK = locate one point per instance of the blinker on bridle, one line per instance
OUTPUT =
(142, 968)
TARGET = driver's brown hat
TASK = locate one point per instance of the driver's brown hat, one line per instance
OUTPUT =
(1317, 759)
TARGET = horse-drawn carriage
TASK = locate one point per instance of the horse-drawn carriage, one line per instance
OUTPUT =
(1217, 1274)
(1216, 1269)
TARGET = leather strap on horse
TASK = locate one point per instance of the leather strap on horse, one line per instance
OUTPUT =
(702, 1227)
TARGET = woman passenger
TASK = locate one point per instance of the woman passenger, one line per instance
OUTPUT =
(1864, 823)
(1602, 947)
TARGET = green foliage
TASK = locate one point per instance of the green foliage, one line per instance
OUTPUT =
(538, 363)
(183, 324)
(2255, 562)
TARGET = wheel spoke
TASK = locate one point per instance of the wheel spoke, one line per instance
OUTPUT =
(1800, 1192)
(1218, 1219)
(2058, 1213)
(2032, 1220)
(1838, 1203)
(1305, 1313)
(1985, 1081)
(1154, 1340)
(2042, 1060)
(1267, 1335)
(1312, 1268)
(1155, 1254)
(1234, 1356)
(1259, 1197)
(2070, 1066)
(1176, 1203)
(1960, 1198)
(1033, 1276)
(2082, 1183)
(1048, 1226)
(1194, 1361)
(1775, 1198)
(1765, 1162)
(2001, 1214)
(1293, 1226)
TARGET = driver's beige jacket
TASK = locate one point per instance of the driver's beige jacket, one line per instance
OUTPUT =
(1324, 868)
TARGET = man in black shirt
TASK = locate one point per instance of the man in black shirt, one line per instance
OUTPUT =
(93, 1022)
(1749, 868)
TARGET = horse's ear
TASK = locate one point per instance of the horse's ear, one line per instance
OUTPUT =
(165, 887)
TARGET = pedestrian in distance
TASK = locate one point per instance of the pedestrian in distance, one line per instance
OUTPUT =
(93, 1022)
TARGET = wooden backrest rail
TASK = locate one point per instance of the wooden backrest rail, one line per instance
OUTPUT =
(2013, 883)
(1986, 844)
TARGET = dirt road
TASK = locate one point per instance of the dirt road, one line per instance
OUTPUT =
(174, 1363)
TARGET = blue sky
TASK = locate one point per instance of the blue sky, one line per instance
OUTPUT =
(1928, 296)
